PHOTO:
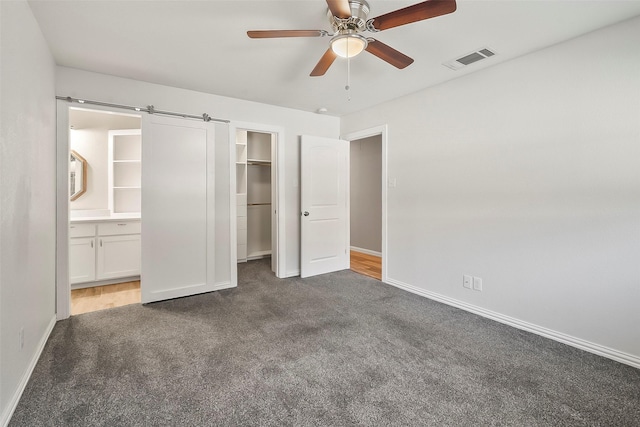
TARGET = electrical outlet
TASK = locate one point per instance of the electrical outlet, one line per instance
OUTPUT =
(466, 281)
(477, 283)
(21, 338)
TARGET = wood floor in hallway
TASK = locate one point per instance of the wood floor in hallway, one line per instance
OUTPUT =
(369, 265)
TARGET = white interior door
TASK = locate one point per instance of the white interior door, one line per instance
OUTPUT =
(324, 199)
(177, 208)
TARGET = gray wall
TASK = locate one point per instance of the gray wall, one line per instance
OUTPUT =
(366, 193)
(525, 174)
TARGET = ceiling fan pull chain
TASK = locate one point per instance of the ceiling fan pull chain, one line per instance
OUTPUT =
(348, 86)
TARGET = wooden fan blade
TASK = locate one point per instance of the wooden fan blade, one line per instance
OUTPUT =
(324, 63)
(269, 34)
(417, 12)
(340, 8)
(389, 54)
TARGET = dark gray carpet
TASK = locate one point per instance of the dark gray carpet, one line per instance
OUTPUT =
(340, 349)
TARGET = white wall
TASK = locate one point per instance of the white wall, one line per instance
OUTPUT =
(82, 84)
(90, 138)
(27, 209)
(527, 175)
(366, 193)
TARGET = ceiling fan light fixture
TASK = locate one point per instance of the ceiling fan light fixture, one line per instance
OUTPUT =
(348, 45)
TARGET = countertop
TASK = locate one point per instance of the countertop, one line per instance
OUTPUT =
(106, 218)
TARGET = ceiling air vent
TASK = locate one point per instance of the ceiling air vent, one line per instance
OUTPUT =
(469, 59)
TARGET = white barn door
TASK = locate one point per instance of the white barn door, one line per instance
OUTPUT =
(177, 208)
(324, 200)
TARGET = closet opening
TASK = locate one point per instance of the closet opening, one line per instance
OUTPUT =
(366, 205)
(104, 209)
(256, 195)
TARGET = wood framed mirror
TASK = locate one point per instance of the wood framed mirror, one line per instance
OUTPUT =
(77, 175)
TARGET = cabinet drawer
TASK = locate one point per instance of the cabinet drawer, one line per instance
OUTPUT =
(117, 228)
(82, 230)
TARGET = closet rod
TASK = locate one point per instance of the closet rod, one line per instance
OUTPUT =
(148, 109)
(258, 204)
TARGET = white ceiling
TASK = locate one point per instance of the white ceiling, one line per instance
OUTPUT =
(203, 46)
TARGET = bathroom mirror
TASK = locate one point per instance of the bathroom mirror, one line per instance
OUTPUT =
(77, 175)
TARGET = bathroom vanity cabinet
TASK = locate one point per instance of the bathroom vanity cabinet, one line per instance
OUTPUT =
(103, 250)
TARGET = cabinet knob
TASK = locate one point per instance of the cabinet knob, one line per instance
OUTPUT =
(305, 213)
(92, 243)
(120, 225)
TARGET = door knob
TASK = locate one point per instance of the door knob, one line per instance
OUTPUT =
(305, 213)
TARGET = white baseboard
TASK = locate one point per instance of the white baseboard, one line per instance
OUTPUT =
(13, 403)
(600, 350)
(104, 282)
(366, 251)
(187, 291)
(223, 285)
(258, 255)
(292, 273)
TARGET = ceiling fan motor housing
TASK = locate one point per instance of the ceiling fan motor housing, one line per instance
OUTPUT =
(356, 23)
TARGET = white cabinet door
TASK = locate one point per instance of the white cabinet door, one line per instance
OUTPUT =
(82, 260)
(324, 198)
(118, 256)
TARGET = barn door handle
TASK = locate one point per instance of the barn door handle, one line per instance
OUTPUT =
(305, 213)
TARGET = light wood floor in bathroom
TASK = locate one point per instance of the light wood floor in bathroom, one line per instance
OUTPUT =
(101, 297)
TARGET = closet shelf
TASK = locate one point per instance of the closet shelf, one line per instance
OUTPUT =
(258, 204)
(254, 162)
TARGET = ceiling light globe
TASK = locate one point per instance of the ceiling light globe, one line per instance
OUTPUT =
(348, 46)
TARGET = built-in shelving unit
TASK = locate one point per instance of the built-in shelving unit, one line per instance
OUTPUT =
(241, 193)
(124, 174)
(253, 185)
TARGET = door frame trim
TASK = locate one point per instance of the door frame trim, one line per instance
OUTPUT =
(279, 187)
(63, 205)
(383, 131)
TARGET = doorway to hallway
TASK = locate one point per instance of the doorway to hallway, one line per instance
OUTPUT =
(368, 265)
(366, 205)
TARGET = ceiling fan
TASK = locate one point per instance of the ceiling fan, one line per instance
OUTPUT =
(349, 19)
